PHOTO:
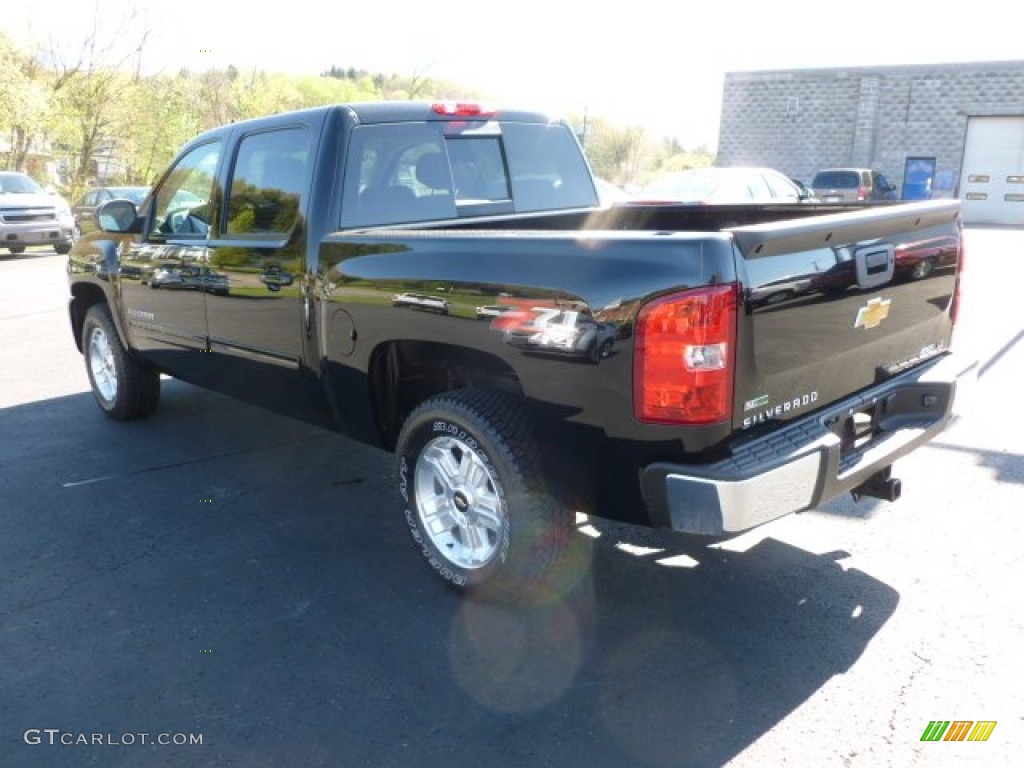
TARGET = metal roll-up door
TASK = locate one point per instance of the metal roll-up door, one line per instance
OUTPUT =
(992, 181)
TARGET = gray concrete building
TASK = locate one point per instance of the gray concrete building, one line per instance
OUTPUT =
(936, 131)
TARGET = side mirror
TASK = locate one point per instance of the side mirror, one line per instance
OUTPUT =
(118, 216)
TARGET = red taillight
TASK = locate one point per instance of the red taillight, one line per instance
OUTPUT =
(683, 366)
(862, 193)
(463, 109)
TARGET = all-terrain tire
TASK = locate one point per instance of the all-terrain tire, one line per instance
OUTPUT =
(125, 387)
(477, 505)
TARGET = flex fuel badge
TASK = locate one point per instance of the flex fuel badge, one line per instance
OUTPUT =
(757, 402)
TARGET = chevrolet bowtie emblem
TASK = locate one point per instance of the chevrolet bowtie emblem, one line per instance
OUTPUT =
(871, 315)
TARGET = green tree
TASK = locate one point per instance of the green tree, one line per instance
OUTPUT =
(615, 153)
(86, 89)
(673, 157)
(215, 97)
(96, 101)
(160, 116)
(24, 102)
(91, 106)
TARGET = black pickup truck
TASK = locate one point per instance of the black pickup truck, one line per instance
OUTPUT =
(440, 281)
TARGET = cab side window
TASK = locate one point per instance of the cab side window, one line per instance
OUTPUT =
(183, 205)
(269, 182)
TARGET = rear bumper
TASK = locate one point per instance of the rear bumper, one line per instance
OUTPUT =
(807, 463)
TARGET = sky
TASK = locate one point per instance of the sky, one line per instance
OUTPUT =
(659, 65)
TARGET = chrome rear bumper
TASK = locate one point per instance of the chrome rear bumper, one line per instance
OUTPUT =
(808, 462)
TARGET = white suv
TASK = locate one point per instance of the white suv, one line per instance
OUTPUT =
(30, 216)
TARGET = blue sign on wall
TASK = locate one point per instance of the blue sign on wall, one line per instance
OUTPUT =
(918, 176)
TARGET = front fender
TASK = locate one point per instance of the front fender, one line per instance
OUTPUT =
(93, 278)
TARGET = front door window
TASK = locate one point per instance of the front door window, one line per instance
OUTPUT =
(184, 206)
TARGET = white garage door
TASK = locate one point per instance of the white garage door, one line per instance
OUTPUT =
(992, 183)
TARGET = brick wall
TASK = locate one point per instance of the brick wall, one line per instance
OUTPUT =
(802, 120)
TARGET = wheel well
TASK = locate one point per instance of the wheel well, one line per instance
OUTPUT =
(83, 296)
(405, 373)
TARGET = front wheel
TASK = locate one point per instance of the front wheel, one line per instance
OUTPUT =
(124, 387)
(602, 351)
(476, 502)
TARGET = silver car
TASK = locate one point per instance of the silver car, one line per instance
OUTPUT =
(723, 186)
(31, 216)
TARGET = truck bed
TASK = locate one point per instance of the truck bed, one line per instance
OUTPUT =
(836, 298)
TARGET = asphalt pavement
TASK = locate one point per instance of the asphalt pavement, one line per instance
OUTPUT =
(219, 586)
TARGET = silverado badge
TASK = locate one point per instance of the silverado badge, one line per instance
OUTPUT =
(871, 315)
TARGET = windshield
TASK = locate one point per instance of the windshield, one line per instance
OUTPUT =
(18, 184)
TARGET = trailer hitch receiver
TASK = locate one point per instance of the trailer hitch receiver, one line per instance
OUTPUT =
(881, 485)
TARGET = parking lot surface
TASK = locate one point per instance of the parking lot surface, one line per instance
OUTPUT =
(219, 586)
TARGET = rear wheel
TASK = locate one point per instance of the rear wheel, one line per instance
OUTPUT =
(16, 249)
(476, 502)
(922, 269)
(124, 387)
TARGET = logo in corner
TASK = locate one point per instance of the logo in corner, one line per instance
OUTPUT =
(873, 313)
(959, 730)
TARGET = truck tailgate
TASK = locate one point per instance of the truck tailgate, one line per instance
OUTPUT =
(837, 303)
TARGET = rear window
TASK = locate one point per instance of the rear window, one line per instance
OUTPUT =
(837, 179)
(409, 172)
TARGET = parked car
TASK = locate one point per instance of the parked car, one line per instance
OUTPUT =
(852, 185)
(29, 215)
(190, 277)
(565, 332)
(780, 290)
(723, 186)
(85, 210)
(491, 311)
(420, 301)
(919, 259)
